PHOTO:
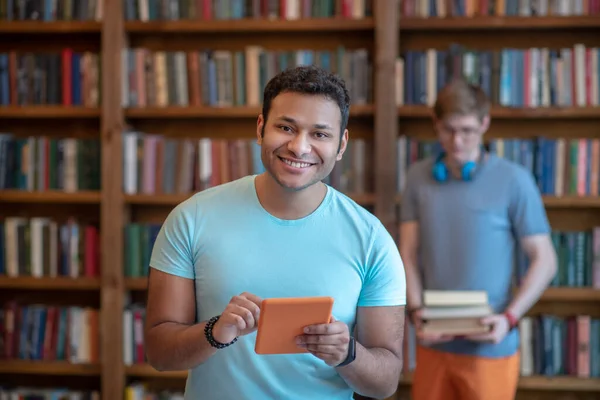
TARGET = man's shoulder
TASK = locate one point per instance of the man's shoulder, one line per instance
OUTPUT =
(215, 197)
(220, 194)
(420, 170)
(359, 216)
(511, 170)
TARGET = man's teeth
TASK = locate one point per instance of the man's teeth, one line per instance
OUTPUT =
(296, 164)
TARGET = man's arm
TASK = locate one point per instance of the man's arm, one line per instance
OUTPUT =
(378, 365)
(409, 245)
(173, 342)
(542, 268)
(532, 228)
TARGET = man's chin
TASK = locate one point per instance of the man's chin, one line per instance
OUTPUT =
(294, 184)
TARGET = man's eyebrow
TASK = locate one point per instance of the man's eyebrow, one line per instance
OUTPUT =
(293, 121)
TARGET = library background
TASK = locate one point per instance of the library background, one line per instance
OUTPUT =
(114, 111)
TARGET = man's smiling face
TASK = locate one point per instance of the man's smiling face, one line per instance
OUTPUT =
(300, 140)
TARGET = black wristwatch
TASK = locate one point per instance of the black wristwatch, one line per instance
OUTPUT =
(351, 352)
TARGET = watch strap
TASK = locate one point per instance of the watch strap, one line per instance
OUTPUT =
(351, 352)
(512, 320)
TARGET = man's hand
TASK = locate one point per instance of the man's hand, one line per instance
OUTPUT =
(329, 342)
(239, 318)
(499, 327)
(427, 338)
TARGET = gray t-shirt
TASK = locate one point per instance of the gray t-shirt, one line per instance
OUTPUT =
(469, 233)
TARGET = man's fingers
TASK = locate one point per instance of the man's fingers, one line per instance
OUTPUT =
(325, 329)
(253, 298)
(247, 304)
(245, 314)
(322, 339)
(322, 349)
(233, 319)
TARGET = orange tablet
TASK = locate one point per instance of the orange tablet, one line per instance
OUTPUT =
(283, 319)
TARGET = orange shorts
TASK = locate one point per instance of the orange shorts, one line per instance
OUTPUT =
(446, 376)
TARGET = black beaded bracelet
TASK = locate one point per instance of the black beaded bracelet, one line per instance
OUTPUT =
(208, 333)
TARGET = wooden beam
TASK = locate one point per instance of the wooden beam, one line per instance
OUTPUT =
(386, 112)
(113, 374)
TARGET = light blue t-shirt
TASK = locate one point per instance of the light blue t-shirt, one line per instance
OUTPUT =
(225, 241)
(469, 232)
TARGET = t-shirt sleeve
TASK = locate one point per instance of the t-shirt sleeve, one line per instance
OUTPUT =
(409, 207)
(527, 211)
(172, 252)
(385, 280)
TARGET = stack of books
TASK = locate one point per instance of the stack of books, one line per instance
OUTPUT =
(455, 312)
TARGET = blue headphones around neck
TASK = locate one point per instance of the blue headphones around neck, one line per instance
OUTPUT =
(441, 173)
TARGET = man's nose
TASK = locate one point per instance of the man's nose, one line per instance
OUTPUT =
(300, 145)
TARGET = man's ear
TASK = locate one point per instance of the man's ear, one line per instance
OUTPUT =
(260, 123)
(343, 145)
(485, 124)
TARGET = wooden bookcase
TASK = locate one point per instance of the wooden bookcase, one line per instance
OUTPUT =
(385, 35)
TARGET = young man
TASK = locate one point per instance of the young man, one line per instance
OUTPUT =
(462, 214)
(279, 234)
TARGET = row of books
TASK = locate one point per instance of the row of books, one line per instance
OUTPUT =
(43, 332)
(578, 257)
(49, 163)
(43, 247)
(34, 393)
(222, 78)
(207, 10)
(553, 346)
(154, 164)
(510, 77)
(501, 8)
(141, 391)
(66, 77)
(51, 10)
(560, 166)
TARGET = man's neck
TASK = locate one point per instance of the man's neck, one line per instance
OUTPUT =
(455, 166)
(286, 204)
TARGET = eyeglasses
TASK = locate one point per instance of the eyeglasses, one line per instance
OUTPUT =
(463, 132)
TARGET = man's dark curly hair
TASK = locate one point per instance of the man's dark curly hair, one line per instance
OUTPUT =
(311, 80)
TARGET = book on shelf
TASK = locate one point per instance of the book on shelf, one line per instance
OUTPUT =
(207, 10)
(561, 166)
(43, 247)
(226, 78)
(143, 391)
(47, 332)
(138, 240)
(48, 163)
(51, 10)
(511, 77)
(499, 8)
(26, 393)
(455, 312)
(65, 78)
(134, 350)
(159, 164)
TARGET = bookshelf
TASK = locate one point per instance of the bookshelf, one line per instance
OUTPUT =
(385, 31)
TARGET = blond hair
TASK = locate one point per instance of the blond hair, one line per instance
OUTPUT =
(460, 97)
